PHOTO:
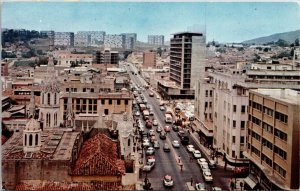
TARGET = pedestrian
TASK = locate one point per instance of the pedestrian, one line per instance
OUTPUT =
(179, 159)
(231, 184)
(191, 181)
(181, 165)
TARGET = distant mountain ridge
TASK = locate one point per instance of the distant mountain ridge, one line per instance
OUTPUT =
(287, 36)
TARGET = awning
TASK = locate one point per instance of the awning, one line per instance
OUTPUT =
(250, 182)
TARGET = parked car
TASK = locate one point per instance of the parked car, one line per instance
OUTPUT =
(216, 188)
(197, 154)
(168, 181)
(150, 151)
(162, 108)
(203, 165)
(151, 112)
(148, 166)
(175, 144)
(151, 94)
(212, 164)
(167, 128)
(200, 186)
(156, 144)
(151, 132)
(155, 122)
(175, 128)
(137, 114)
(207, 176)
(151, 158)
(162, 135)
(201, 160)
(166, 147)
(190, 148)
(158, 129)
(146, 143)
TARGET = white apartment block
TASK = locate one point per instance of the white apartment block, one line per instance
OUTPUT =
(129, 40)
(64, 39)
(96, 37)
(156, 39)
(113, 41)
(82, 40)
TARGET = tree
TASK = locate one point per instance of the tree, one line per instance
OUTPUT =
(282, 43)
(297, 42)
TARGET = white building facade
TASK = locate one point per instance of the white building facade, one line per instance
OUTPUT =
(64, 39)
(113, 41)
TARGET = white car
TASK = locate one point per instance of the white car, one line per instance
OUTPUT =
(201, 160)
(168, 181)
(146, 143)
(197, 154)
(207, 176)
(200, 186)
(148, 166)
(151, 132)
(137, 114)
(190, 148)
(162, 108)
(175, 144)
(155, 123)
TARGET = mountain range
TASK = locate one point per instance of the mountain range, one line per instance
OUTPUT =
(287, 36)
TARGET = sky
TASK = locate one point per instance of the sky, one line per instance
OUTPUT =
(221, 21)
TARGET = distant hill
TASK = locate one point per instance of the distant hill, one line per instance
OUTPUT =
(287, 36)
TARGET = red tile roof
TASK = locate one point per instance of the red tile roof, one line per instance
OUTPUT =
(99, 156)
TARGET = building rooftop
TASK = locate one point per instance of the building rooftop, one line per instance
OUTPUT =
(285, 95)
(56, 145)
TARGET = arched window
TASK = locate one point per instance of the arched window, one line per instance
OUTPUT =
(36, 139)
(55, 119)
(48, 99)
(30, 140)
(42, 116)
(48, 120)
(55, 98)
(129, 142)
(25, 139)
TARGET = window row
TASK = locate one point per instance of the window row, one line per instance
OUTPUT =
(280, 152)
(243, 108)
(281, 135)
(280, 170)
(110, 101)
(281, 117)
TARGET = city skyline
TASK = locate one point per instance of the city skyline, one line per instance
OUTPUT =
(243, 21)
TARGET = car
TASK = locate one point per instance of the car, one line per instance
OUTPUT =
(212, 164)
(197, 154)
(161, 103)
(151, 112)
(175, 144)
(162, 135)
(145, 135)
(157, 97)
(152, 138)
(175, 128)
(151, 158)
(190, 148)
(158, 129)
(166, 147)
(150, 151)
(148, 166)
(156, 144)
(200, 186)
(148, 106)
(146, 143)
(167, 128)
(241, 171)
(181, 133)
(151, 132)
(204, 168)
(207, 176)
(148, 124)
(201, 160)
(216, 188)
(151, 94)
(137, 114)
(162, 108)
(155, 123)
(168, 181)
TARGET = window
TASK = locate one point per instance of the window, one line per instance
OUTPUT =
(233, 139)
(256, 106)
(206, 104)
(267, 143)
(233, 153)
(234, 123)
(48, 99)
(281, 135)
(210, 93)
(256, 121)
(256, 136)
(281, 117)
(210, 104)
(280, 170)
(243, 109)
(268, 111)
(25, 139)
(83, 101)
(266, 159)
(43, 98)
(118, 102)
(55, 98)
(128, 143)
(103, 101)
(67, 89)
(206, 93)
(84, 90)
(250, 103)
(30, 140)
(280, 152)
(126, 102)
(242, 140)
(36, 139)
(106, 111)
(234, 108)
(92, 89)
(242, 124)
(110, 102)
(268, 127)
(255, 151)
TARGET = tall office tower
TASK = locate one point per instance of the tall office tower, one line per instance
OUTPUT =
(156, 40)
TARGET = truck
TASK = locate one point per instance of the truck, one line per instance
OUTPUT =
(168, 118)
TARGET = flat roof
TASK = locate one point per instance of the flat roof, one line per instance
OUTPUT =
(193, 33)
(286, 95)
